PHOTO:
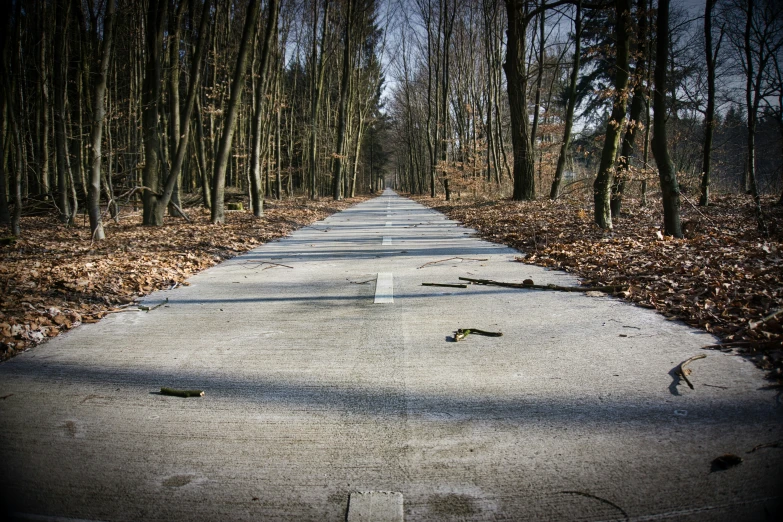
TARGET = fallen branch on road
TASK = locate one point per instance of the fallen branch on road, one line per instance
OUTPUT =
(683, 372)
(464, 332)
(452, 259)
(447, 285)
(181, 393)
(151, 308)
(262, 263)
(609, 289)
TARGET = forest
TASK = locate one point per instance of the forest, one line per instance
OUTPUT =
(143, 103)
(124, 122)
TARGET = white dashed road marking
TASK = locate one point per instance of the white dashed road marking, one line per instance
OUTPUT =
(384, 288)
(375, 506)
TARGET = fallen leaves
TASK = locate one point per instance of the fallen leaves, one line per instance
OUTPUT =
(54, 278)
(724, 277)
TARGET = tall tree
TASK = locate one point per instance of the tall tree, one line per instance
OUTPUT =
(171, 183)
(761, 40)
(666, 172)
(709, 116)
(62, 17)
(603, 181)
(638, 103)
(256, 188)
(224, 148)
(571, 104)
(316, 89)
(151, 104)
(339, 154)
(96, 133)
(519, 17)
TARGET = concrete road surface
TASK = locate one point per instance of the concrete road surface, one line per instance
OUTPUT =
(328, 370)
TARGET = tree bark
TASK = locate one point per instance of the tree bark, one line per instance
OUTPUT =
(603, 182)
(753, 95)
(96, 134)
(175, 123)
(44, 79)
(539, 76)
(151, 98)
(62, 14)
(709, 116)
(634, 122)
(256, 187)
(317, 88)
(337, 173)
(224, 149)
(569, 115)
(516, 78)
(666, 172)
(172, 179)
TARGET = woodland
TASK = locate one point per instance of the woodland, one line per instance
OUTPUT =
(634, 142)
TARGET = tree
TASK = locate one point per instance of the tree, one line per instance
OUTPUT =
(96, 134)
(603, 181)
(638, 103)
(256, 195)
(519, 16)
(221, 161)
(666, 172)
(757, 46)
(709, 117)
(571, 103)
(62, 17)
(151, 102)
(339, 153)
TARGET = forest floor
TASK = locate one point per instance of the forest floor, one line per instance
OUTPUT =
(55, 278)
(723, 277)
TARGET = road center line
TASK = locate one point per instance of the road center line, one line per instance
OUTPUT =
(388, 223)
(375, 506)
(384, 288)
(387, 240)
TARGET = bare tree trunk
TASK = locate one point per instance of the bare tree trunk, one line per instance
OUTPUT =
(224, 150)
(317, 88)
(516, 77)
(44, 79)
(96, 135)
(634, 122)
(7, 87)
(603, 181)
(278, 155)
(151, 94)
(337, 173)
(539, 77)
(448, 26)
(5, 107)
(569, 115)
(62, 14)
(666, 172)
(709, 117)
(752, 98)
(172, 179)
(256, 187)
(16, 217)
(206, 183)
(175, 124)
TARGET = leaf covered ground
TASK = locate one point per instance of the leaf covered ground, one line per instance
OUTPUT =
(723, 277)
(54, 278)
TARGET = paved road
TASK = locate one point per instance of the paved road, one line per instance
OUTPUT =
(314, 390)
